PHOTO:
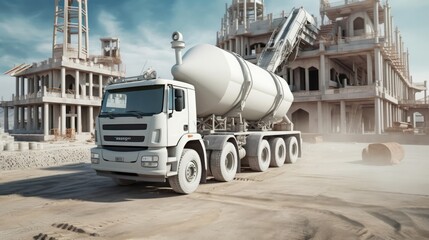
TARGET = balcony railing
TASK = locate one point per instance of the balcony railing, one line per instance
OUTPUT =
(53, 92)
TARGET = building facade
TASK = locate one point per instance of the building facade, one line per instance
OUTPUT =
(61, 96)
(354, 79)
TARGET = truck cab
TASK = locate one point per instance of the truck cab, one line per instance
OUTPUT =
(142, 130)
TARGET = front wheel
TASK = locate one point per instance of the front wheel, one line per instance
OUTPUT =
(189, 173)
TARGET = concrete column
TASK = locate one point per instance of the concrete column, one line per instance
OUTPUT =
(378, 116)
(376, 21)
(79, 119)
(15, 118)
(16, 89)
(35, 117)
(91, 118)
(386, 24)
(319, 117)
(369, 69)
(72, 118)
(29, 85)
(63, 82)
(29, 124)
(6, 118)
(245, 15)
(76, 84)
(36, 84)
(237, 45)
(63, 119)
(22, 87)
(343, 126)
(84, 87)
(22, 118)
(46, 119)
(322, 74)
(90, 85)
(377, 67)
(100, 85)
(307, 80)
(292, 85)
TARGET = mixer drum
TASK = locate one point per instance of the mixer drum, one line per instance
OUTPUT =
(219, 78)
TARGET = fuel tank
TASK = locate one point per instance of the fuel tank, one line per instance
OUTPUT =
(224, 82)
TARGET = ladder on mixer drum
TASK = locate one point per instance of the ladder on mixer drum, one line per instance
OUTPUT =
(298, 26)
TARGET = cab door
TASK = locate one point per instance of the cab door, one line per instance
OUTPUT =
(178, 117)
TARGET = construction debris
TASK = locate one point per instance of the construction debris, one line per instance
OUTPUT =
(384, 153)
(401, 127)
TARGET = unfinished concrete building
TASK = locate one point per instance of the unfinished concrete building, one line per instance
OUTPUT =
(354, 78)
(61, 96)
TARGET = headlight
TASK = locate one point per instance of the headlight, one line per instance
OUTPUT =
(150, 161)
(95, 158)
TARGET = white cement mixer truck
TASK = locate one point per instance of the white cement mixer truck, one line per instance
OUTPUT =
(220, 113)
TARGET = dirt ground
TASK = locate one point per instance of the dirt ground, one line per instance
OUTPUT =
(329, 194)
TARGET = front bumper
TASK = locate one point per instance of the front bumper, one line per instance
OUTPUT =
(130, 167)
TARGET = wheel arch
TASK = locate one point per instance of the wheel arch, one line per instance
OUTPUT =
(216, 143)
(198, 146)
(190, 141)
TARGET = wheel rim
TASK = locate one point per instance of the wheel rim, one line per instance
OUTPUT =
(229, 161)
(281, 152)
(294, 149)
(191, 171)
(264, 155)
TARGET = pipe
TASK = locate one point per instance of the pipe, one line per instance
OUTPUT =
(178, 44)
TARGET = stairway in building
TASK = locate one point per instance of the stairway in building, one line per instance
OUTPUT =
(326, 32)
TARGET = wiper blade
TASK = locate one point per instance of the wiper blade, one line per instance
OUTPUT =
(111, 116)
(138, 114)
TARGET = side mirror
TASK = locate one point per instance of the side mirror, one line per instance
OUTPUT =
(179, 101)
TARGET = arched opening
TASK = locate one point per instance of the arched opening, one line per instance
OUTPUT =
(419, 122)
(299, 78)
(359, 26)
(70, 88)
(314, 78)
(301, 120)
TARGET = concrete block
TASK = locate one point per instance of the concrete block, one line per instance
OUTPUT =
(32, 146)
(22, 146)
(9, 146)
(383, 153)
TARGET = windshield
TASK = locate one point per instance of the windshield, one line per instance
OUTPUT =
(140, 101)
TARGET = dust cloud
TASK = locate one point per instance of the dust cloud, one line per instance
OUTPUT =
(330, 193)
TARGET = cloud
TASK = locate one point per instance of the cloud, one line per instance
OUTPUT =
(109, 23)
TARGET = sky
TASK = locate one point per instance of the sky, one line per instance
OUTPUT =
(145, 26)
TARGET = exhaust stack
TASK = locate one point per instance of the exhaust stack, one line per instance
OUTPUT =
(178, 44)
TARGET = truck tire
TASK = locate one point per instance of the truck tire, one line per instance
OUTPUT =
(261, 162)
(278, 152)
(224, 163)
(188, 175)
(123, 182)
(292, 150)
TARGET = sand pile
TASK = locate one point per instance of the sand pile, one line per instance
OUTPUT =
(51, 155)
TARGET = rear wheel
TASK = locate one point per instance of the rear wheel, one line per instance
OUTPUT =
(261, 162)
(292, 150)
(189, 173)
(278, 152)
(224, 163)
